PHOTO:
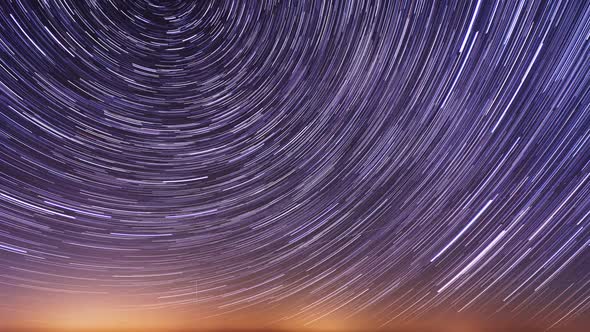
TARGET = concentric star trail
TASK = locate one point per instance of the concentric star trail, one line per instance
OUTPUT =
(381, 159)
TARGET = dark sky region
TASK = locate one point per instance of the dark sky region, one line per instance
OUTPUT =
(294, 164)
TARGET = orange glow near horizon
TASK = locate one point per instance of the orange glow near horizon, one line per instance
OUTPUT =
(66, 313)
(98, 317)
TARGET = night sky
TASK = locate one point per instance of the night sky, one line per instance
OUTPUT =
(294, 163)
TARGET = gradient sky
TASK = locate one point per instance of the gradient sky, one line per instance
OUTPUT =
(294, 163)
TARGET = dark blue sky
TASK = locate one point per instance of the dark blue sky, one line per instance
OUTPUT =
(351, 160)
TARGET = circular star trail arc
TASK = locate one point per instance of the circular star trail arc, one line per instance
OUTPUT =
(365, 158)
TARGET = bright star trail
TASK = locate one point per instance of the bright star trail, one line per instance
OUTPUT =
(295, 162)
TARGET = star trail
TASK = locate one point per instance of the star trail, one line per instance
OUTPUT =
(299, 161)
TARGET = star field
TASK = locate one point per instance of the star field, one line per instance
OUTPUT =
(380, 159)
